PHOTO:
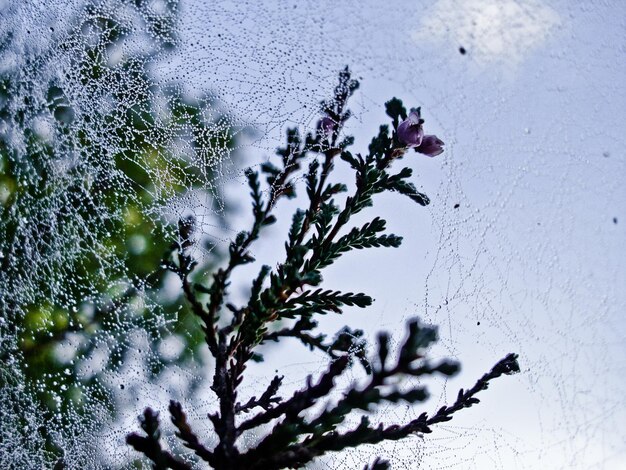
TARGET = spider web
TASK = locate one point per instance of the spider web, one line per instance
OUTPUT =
(520, 250)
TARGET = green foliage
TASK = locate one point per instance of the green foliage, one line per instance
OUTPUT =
(82, 250)
(291, 295)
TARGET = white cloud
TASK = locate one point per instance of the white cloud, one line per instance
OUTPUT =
(493, 31)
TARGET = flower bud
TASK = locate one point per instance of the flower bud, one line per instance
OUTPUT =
(431, 146)
(325, 127)
(410, 132)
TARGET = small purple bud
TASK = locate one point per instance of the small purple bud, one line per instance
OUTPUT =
(326, 127)
(410, 131)
(431, 146)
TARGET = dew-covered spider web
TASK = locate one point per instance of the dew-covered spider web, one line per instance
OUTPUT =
(120, 118)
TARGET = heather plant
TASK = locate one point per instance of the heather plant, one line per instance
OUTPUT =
(286, 301)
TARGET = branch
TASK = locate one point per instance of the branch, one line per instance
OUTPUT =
(186, 434)
(465, 399)
(315, 446)
(300, 400)
(150, 446)
(266, 399)
(298, 331)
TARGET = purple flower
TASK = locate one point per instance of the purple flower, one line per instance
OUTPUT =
(326, 127)
(410, 130)
(411, 134)
(431, 146)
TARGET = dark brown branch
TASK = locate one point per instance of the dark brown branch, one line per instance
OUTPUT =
(266, 400)
(300, 400)
(179, 419)
(313, 342)
(315, 446)
(150, 445)
(465, 399)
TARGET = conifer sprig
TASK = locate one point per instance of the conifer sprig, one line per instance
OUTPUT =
(319, 235)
